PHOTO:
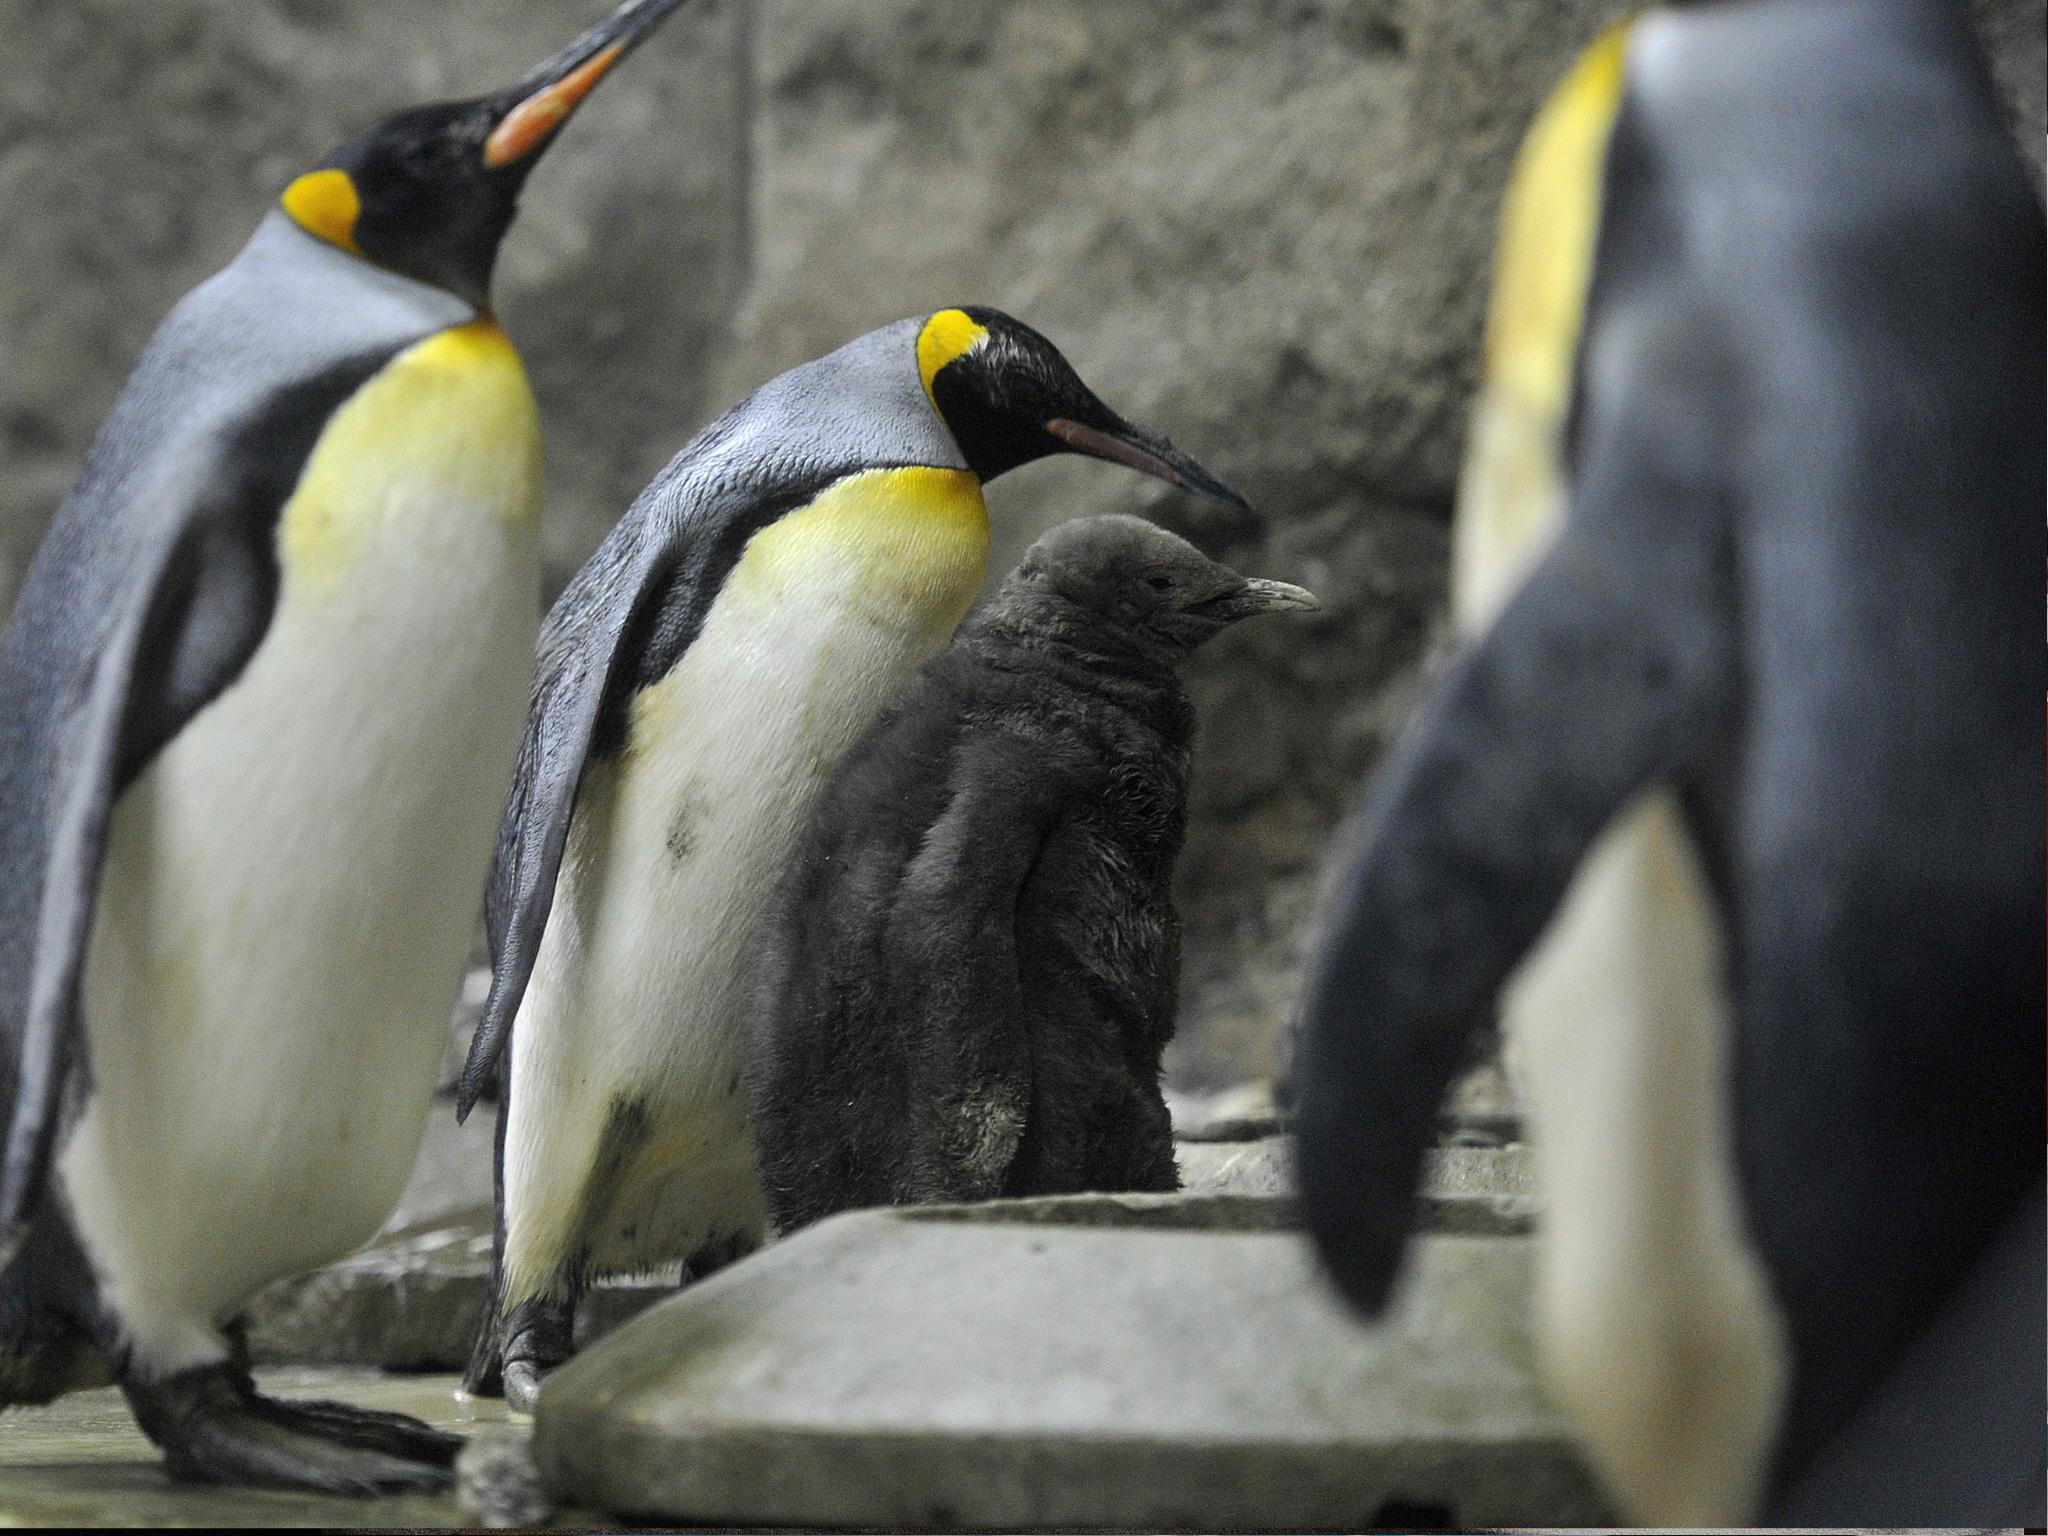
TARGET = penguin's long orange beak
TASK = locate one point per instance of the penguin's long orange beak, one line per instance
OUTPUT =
(529, 113)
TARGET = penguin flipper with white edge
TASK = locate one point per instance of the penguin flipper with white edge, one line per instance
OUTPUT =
(249, 687)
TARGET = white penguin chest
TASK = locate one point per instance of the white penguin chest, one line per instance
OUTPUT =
(290, 885)
(823, 619)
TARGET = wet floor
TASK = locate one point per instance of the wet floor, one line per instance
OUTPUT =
(82, 1461)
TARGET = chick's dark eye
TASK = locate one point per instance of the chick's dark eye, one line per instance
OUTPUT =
(1159, 583)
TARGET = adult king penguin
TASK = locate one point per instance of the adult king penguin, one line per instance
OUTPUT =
(253, 701)
(736, 633)
(1749, 522)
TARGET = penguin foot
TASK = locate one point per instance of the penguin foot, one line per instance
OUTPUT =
(522, 1386)
(212, 1429)
(371, 1429)
(539, 1335)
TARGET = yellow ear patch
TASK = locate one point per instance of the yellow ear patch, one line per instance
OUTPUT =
(325, 203)
(949, 334)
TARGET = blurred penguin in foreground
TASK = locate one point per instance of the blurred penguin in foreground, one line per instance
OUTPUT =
(1735, 802)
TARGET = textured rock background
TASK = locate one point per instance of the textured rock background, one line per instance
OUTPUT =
(1262, 225)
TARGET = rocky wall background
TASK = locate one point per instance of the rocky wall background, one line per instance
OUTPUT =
(1262, 225)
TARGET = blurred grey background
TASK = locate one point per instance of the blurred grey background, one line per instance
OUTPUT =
(1261, 225)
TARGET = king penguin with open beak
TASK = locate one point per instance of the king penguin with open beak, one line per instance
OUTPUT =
(261, 694)
(698, 680)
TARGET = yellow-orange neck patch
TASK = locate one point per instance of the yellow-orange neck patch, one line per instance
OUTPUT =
(1549, 220)
(949, 334)
(325, 203)
(1511, 492)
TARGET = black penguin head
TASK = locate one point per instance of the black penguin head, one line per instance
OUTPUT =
(431, 191)
(1008, 397)
(1148, 582)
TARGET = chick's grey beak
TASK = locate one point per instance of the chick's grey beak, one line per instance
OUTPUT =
(529, 113)
(1259, 596)
(1149, 454)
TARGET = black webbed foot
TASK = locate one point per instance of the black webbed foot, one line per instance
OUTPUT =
(372, 1429)
(214, 1429)
(539, 1335)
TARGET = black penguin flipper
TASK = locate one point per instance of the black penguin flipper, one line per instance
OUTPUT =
(483, 1376)
(1603, 674)
(579, 670)
(187, 635)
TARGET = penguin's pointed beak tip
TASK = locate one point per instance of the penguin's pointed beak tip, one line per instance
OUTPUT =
(1264, 596)
(530, 113)
(1256, 596)
(1149, 454)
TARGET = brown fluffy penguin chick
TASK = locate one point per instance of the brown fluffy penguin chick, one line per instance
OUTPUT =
(972, 963)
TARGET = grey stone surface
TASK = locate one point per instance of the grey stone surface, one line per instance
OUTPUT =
(1260, 1167)
(1484, 1109)
(451, 1179)
(901, 1371)
(1473, 1190)
(1242, 1112)
(1479, 1190)
(1260, 224)
(1196, 1211)
(411, 1302)
(497, 1481)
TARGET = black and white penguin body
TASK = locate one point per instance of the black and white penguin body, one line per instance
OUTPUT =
(260, 691)
(1751, 749)
(734, 636)
(972, 964)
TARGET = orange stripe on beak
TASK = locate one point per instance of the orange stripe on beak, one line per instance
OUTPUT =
(533, 122)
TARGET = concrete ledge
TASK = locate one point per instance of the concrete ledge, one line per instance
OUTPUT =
(990, 1366)
(1475, 1190)
(412, 1301)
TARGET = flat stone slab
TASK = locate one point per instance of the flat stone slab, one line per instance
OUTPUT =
(979, 1366)
(1479, 1191)
(1244, 1112)
(1474, 1190)
(410, 1302)
(1261, 1167)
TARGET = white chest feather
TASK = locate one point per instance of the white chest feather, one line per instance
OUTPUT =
(290, 886)
(638, 991)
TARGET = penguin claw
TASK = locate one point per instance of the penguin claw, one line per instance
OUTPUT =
(212, 1430)
(522, 1386)
(539, 1335)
